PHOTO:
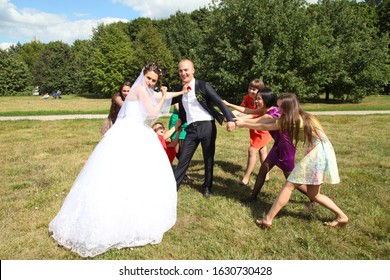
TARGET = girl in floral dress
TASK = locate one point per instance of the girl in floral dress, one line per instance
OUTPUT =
(317, 167)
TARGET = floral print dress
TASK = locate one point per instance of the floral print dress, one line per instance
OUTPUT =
(318, 166)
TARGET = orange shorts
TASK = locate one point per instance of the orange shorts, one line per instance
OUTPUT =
(259, 138)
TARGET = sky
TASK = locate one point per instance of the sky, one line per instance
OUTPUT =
(68, 20)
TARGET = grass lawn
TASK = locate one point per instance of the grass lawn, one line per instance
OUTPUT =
(72, 104)
(41, 159)
(68, 104)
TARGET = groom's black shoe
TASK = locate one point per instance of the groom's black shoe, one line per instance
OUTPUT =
(206, 192)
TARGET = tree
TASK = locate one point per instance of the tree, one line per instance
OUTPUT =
(29, 53)
(52, 70)
(184, 35)
(149, 45)
(136, 25)
(382, 8)
(81, 66)
(254, 39)
(14, 74)
(355, 53)
(112, 59)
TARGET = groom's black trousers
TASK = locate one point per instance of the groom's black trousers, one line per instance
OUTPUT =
(205, 133)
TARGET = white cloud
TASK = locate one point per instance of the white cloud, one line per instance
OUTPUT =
(24, 25)
(5, 46)
(157, 9)
(29, 24)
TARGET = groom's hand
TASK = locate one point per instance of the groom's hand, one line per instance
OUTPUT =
(230, 126)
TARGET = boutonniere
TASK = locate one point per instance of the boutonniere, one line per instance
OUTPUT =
(199, 96)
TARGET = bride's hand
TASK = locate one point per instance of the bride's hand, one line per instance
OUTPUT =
(164, 91)
(186, 88)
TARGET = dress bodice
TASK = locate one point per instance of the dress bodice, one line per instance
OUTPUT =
(131, 110)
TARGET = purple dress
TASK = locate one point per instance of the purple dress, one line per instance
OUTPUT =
(282, 153)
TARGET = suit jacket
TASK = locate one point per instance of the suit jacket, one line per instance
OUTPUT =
(208, 98)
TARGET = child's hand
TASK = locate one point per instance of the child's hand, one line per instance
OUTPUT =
(239, 122)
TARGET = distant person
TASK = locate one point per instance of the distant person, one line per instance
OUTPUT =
(57, 94)
(116, 104)
(45, 96)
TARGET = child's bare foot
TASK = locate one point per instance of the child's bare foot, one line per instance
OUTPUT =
(338, 222)
(263, 224)
(244, 182)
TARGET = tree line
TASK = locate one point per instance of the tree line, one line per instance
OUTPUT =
(336, 48)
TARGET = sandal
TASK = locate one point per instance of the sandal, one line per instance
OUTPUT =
(263, 225)
(337, 223)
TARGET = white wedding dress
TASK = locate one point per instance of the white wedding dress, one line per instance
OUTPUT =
(124, 196)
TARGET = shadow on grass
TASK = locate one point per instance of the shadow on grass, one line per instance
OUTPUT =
(230, 189)
(93, 96)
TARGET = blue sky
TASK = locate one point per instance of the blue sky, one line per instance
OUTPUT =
(76, 9)
(67, 20)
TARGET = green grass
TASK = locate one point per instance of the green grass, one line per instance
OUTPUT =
(72, 104)
(372, 102)
(41, 159)
(68, 104)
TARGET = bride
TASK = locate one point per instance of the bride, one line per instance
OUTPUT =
(125, 195)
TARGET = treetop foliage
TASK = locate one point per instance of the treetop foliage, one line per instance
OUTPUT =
(339, 48)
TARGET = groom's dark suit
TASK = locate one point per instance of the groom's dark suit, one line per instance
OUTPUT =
(203, 132)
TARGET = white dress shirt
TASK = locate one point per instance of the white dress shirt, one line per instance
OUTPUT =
(194, 111)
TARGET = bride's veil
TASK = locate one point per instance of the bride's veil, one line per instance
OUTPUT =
(147, 99)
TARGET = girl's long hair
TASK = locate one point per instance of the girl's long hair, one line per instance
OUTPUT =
(291, 117)
(119, 92)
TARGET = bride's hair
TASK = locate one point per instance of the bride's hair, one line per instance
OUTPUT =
(153, 66)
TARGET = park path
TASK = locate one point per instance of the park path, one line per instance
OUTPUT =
(80, 116)
(53, 117)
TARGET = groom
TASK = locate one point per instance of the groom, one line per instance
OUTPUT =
(197, 109)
